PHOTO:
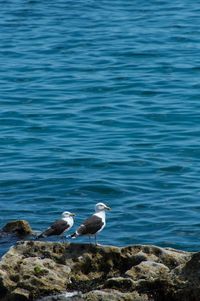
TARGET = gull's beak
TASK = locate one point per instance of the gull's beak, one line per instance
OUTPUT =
(107, 208)
(72, 214)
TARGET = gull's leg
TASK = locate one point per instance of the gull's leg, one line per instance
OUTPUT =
(95, 239)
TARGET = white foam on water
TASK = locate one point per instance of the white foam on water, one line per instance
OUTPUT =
(70, 294)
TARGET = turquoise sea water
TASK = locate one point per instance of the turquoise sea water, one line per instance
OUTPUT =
(100, 101)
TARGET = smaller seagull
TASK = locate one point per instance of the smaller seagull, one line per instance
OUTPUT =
(59, 226)
(94, 224)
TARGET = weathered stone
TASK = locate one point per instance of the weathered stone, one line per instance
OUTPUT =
(99, 295)
(33, 269)
(113, 295)
(20, 294)
(19, 228)
(186, 280)
(148, 270)
(121, 284)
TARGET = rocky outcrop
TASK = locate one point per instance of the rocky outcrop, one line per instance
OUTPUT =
(19, 228)
(33, 269)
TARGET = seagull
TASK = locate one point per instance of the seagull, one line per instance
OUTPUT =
(59, 226)
(94, 224)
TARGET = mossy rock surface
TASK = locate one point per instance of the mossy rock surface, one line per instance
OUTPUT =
(32, 270)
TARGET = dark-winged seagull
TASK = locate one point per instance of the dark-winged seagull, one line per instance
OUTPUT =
(60, 226)
(94, 224)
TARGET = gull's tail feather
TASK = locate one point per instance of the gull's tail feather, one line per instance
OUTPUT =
(41, 235)
(74, 235)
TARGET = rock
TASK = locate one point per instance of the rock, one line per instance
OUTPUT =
(120, 283)
(33, 269)
(148, 270)
(20, 228)
(99, 295)
(113, 295)
(186, 280)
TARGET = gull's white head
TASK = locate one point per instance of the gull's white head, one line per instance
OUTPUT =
(67, 214)
(101, 207)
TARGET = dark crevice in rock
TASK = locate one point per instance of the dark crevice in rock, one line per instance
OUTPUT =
(85, 286)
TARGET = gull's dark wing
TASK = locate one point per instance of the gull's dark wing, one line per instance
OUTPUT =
(57, 228)
(90, 226)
